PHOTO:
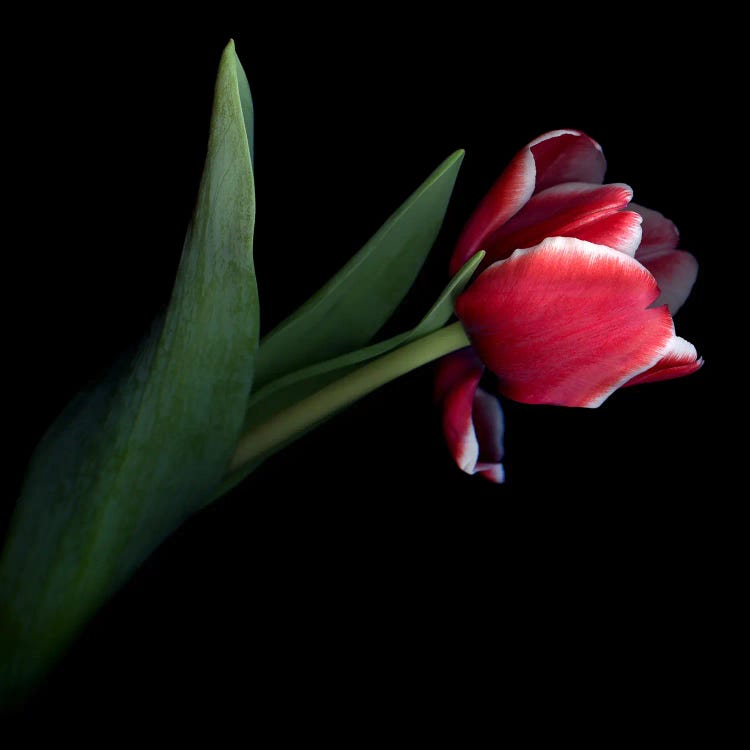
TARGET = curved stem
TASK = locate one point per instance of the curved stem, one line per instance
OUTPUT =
(332, 398)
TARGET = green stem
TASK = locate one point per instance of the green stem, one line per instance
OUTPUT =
(310, 411)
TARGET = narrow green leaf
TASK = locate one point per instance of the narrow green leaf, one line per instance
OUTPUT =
(441, 312)
(294, 387)
(128, 461)
(269, 400)
(350, 309)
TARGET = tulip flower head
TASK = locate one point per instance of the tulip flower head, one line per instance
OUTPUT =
(573, 300)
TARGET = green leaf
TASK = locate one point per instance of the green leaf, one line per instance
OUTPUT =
(297, 385)
(350, 309)
(294, 387)
(130, 459)
(440, 313)
(246, 102)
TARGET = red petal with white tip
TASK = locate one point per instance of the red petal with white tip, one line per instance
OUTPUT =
(472, 418)
(566, 322)
(680, 359)
(588, 212)
(553, 158)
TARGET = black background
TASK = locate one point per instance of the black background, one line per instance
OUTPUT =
(359, 571)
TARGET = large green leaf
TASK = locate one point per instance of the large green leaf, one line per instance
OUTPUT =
(349, 310)
(294, 387)
(129, 460)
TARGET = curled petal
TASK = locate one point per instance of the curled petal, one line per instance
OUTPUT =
(588, 212)
(489, 426)
(680, 359)
(567, 156)
(472, 418)
(553, 158)
(566, 322)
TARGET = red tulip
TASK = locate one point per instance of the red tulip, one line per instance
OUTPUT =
(573, 298)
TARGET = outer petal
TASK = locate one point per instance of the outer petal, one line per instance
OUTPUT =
(566, 322)
(553, 158)
(573, 209)
(472, 418)
(680, 359)
(675, 270)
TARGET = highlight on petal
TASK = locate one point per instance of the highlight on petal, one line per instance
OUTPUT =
(680, 359)
(553, 158)
(566, 322)
(472, 418)
(621, 231)
(574, 209)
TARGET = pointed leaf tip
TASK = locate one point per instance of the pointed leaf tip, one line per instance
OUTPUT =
(350, 309)
(131, 458)
(246, 102)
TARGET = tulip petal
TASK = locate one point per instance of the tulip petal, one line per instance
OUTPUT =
(566, 322)
(472, 418)
(621, 231)
(553, 158)
(659, 233)
(567, 156)
(675, 270)
(574, 209)
(490, 426)
(680, 359)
